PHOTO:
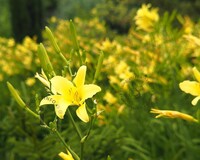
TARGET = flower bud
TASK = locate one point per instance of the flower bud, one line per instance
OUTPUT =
(16, 95)
(44, 60)
(52, 39)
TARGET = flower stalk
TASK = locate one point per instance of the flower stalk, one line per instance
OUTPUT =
(99, 65)
(74, 124)
(66, 145)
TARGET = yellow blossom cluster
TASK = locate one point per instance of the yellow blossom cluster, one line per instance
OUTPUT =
(142, 57)
(146, 17)
(16, 58)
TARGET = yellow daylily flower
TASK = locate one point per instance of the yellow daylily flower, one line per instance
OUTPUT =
(66, 93)
(192, 87)
(65, 156)
(173, 114)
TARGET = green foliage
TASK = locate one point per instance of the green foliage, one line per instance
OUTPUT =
(5, 30)
(154, 63)
(69, 9)
(118, 14)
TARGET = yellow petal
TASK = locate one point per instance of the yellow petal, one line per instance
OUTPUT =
(79, 80)
(82, 113)
(190, 87)
(89, 90)
(60, 103)
(53, 99)
(61, 109)
(196, 74)
(60, 85)
(195, 100)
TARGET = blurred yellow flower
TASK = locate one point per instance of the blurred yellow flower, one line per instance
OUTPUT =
(11, 42)
(192, 87)
(113, 80)
(53, 19)
(65, 156)
(188, 25)
(173, 114)
(146, 38)
(193, 39)
(123, 70)
(66, 93)
(30, 81)
(158, 39)
(146, 18)
(110, 98)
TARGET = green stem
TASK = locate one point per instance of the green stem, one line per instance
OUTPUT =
(74, 124)
(99, 65)
(66, 145)
(63, 58)
(82, 150)
(83, 140)
(90, 128)
(79, 56)
(31, 112)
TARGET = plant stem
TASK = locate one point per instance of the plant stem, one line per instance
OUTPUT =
(82, 150)
(79, 56)
(66, 145)
(31, 112)
(63, 58)
(74, 124)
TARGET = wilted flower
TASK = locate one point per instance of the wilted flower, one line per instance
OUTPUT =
(173, 114)
(66, 93)
(43, 78)
(146, 18)
(192, 87)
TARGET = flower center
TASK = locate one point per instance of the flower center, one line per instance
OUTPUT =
(74, 96)
(77, 98)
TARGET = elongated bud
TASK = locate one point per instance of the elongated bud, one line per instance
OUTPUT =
(108, 158)
(44, 60)
(20, 101)
(84, 139)
(73, 35)
(99, 65)
(16, 95)
(52, 39)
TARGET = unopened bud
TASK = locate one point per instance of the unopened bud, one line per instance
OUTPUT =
(52, 39)
(16, 95)
(44, 60)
